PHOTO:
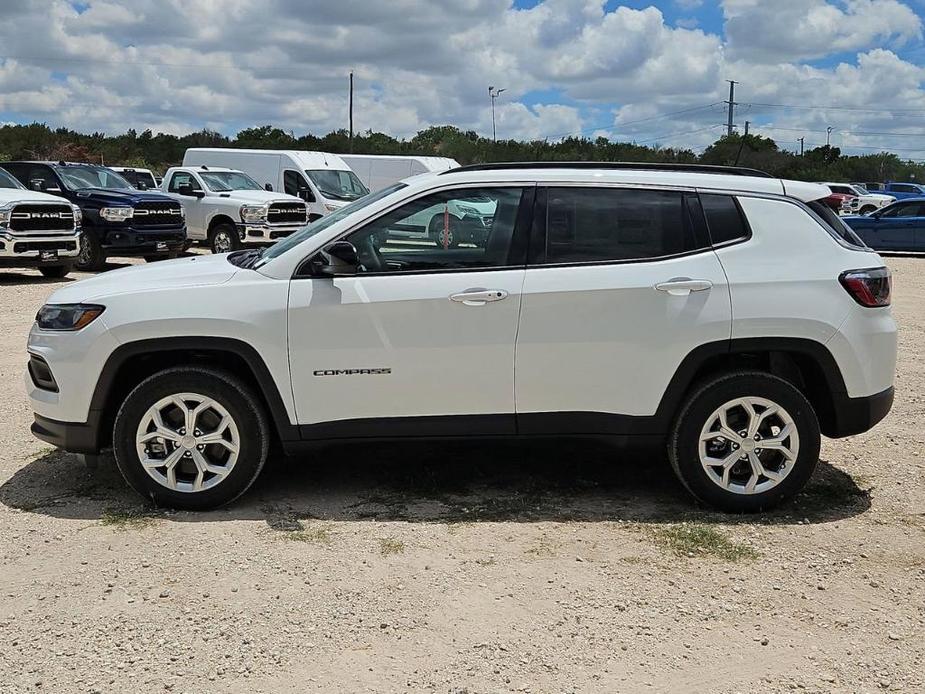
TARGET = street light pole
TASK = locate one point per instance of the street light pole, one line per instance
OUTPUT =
(494, 94)
(828, 136)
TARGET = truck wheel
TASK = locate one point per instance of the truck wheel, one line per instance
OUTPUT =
(745, 441)
(191, 438)
(224, 238)
(55, 271)
(867, 209)
(444, 238)
(91, 256)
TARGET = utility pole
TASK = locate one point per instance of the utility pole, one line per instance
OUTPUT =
(742, 143)
(494, 94)
(802, 142)
(828, 136)
(732, 104)
(351, 111)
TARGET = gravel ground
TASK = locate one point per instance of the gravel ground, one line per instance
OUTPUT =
(464, 568)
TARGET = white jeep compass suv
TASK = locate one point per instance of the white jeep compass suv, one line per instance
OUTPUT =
(720, 311)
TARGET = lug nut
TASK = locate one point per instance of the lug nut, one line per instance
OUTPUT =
(757, 451)
(197, 433)
(200, 447)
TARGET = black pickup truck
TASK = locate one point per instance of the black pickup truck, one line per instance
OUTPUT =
(118, 220)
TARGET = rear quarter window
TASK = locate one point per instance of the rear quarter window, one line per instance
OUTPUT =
(725, 219)
(835, 225)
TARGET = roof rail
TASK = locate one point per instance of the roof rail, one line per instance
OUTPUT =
(616, 166)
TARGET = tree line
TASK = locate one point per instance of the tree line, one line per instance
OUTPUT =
(160, 151)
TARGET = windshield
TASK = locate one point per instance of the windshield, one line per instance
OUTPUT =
(315, 227)
(7, 181)
(225, 181)
(88, 176)
(338, 185)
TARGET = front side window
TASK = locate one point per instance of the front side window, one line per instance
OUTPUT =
(587, 225)
(337, 185)
(180, 179)
(903, 209)
(85, 176)
(295, 184)
(226, 181)
(458, 229)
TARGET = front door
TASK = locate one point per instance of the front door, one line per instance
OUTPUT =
(193, 206)
(895, 229)
(421, 340)
(622, 285)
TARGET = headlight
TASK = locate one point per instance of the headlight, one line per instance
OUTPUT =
(78, 215)
(182, 212)
(253, 213)
(117, 214)
(67, 316)
(5, 212)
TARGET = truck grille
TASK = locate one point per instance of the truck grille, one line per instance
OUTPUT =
(42, 218)
(287, 213)
(26, 246)
(157, 213)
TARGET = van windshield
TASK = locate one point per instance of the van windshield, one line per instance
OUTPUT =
(320, 225)
(338, 185)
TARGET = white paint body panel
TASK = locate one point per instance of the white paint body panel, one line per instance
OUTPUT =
(380, 171)
(601, 338)
(445, 358)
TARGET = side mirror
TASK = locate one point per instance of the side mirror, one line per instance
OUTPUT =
(338, 259)
(187, 190)
(37, 184)
(306, 194)
(142, 185)
(268, 187)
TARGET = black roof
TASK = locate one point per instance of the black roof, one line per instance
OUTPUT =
(616, 166)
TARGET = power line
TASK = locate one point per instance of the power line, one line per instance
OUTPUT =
(678, 134)
(617, 126)
(839, 108)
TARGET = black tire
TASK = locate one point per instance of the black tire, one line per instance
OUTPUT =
(683, 446)
(224, 238)
(91, 257)
(230, 392)
(435, 231)
(867, 209)
(55, 271)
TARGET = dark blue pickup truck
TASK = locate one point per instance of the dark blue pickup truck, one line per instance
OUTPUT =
(118, 220)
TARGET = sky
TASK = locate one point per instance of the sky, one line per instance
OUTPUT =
(631, 70)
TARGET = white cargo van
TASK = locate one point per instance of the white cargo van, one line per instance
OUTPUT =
(378, 171)
(322, 180)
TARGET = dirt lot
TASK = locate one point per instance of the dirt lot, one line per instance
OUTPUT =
(497, 568)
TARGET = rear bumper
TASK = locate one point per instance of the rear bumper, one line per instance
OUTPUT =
(857, 415)
(73, 437)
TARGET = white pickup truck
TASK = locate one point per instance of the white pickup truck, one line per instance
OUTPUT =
(863, 201)
(37, 230)
(227, 209)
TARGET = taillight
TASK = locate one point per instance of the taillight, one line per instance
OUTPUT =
(871, 288)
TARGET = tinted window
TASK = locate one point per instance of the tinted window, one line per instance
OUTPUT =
(34, 176)
(294, 184)
(182, 179)
(904, 188)
(903, 209)
(605, 224)
(724, 218)
(461, 229)
(834, 224)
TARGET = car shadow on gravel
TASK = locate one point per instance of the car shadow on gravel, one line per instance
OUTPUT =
(427, 482)
(25, 279)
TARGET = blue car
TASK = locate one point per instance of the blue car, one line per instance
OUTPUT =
(897, 227)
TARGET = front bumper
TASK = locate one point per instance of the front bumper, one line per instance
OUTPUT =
(266, 233)
(69, 436)
(34, 250)
(857, 415)
(130, 240)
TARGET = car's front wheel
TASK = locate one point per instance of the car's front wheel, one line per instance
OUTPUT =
(191, 438)
(224, 238)
(745, 442)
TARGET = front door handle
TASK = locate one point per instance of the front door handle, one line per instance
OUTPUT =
(683, 286)
(478, 297)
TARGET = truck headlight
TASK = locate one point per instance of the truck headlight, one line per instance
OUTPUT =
(67, 316)
(117, 214)
(5, 212)
(254, 213)
(78, 215)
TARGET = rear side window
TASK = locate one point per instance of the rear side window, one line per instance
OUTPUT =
(586, 225)
(835, 225)
(724, 218)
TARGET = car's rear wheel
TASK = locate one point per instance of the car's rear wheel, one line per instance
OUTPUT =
(191, 438)
(224, 238)
(867, 209)
(55, 271)
(745, 442)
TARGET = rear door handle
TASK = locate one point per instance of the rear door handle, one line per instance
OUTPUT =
(683, 286)
(478, 297)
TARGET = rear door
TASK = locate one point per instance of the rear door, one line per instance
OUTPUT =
(895, 229)
(622, 284)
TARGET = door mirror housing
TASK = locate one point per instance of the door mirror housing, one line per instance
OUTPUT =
(187, 190)
(268, 187)
(338, 259)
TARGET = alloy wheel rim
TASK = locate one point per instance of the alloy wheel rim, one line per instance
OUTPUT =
(222, 242)
(187, 442)
(749, 445)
